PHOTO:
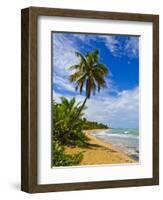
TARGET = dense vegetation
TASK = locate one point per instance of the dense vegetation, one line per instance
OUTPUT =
(64, 114)
(68, 121)
(88, 125)
(62, 159)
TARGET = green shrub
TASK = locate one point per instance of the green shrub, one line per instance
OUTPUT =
(63, 118)
(62, 159)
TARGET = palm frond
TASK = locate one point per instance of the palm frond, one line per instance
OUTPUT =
(89, 73)
(75, 76)
(101, 68)
(73, 67)
(81, 56)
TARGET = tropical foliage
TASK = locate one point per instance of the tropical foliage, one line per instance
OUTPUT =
(63, 114)
(89, 73)
(68, 116)
(60, 158)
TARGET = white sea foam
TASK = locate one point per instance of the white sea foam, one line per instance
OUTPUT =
(109, 134)
(126, 140)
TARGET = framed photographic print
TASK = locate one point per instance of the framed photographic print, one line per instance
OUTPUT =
(90, 100)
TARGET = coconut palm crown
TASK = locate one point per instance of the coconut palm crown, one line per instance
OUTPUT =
(88, 74)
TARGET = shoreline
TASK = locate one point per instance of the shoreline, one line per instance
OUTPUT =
(106, 143)
(99, 152)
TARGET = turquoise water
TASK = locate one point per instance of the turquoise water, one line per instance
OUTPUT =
(126, 140)
(128, 131)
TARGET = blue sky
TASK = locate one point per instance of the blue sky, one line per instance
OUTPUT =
(117, 105)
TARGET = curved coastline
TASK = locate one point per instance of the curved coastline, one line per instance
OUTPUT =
(99, 152)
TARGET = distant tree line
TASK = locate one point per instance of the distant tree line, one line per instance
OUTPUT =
(88, 125)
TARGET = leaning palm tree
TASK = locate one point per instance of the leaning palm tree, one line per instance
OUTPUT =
(89, 75)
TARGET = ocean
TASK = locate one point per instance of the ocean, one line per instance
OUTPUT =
(126, 140)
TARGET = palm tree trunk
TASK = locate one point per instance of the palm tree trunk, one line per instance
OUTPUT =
(77, 115)
(81, 108)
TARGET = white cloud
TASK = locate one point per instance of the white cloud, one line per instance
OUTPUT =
(111, 43)
(132, 46)
(129, 48)
(84, 37)
(63, 55)
(118, 111)
(63, 84)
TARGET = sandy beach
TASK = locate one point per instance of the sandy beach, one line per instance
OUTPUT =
(99, 152)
